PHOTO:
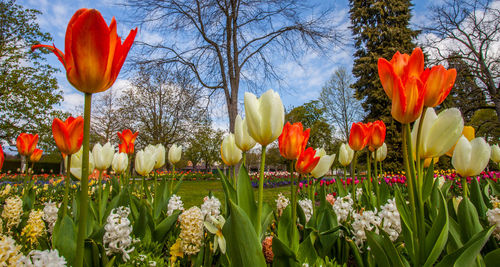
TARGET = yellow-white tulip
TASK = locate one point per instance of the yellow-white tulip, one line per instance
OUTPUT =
(120, 162)
(230, 153)
(144, 162)
(381, 153)
(265, 116)
(439, 132)
(160, 156)
(103, 155)
(470, 158)
(76, 163)
(324, 163)
(495, 153)
(174, 154)
(243, 140)
(345, 154)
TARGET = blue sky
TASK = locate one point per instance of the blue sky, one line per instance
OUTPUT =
(305, 79)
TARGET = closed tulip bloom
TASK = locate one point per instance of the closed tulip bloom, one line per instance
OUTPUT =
(127, 139)
(241, 136)
(26, 144)
(469, 132)
(345, 154)
(160, 156)
(76, 163)
(359, 135)
(324, 163)
(103, 156)
(120, 162)
(307, 161)
(68, 134)
(495, 154)
(2, 157)
(174, 154)
(381, 153)
(377, 135)
(401, 81)
(470, 158)
(144, 162)
(293, 140)
(439, 132)
(230, 153)
(36, 155)
(437, 84)
(265, 116)
(94, 53)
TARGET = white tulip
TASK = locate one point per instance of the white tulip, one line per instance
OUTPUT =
(324, 163)
(439, 132)
(243, 140)
(381, 153)
(174, 154)
(160, 156)
(103, 156)
(495, 153)
(345, 154)
(265, 116)
(144, 162)
(120, 162)
(230, 153)
(470, 158)
(76, 163)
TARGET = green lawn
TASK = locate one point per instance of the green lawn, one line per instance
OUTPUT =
(193, 192)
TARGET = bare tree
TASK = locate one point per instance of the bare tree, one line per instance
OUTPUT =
(225, 42)
(341, 106)
(106, 121)
(469, 31)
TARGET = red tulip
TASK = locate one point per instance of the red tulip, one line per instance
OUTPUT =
(359, 135)
(2, 157)
(94, 53)
(26, 144)
(377, 135)
(306, 161)
(293, 140)
(36, 155)
(438, 83)
(68, 134)
(127, 138)
(401, 81)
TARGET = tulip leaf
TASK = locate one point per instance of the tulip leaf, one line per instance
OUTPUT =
(229, 191)
(307, 252)
(178, 185)
(340, 188)
(287, 230)
(283, 255)
(476, 197)
(492, 258)
(245, 196)
(384, 243)
(65, 239)
(495, 187)
(428, 182)
(376, 246)
(454, 238)
(437, 236)
(468, 219)
(466, 255)
(406, 224)
(162, 229)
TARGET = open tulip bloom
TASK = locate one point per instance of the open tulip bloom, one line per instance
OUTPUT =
(470, 158)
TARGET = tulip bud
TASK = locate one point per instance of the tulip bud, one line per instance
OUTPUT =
(265, 116)
(120, 162)
(359, 135)
(103, 156)
(495, 153)
(324, 163)
(160, 156)
(76, 163)
(26, 143)
(470, 158)
(345, 154)
(230, 153)
(438, 133)
(293, 140)
(243, 140)
(36, 155)
(144, 162)
(381, 153)
(174, 154)
(376, 135)
(307, 161)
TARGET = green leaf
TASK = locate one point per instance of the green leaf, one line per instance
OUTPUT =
(437, 236)
(454, 237)
(428, 182)
(340, 188)
(162, 229)
(383, 249)
(476, 197)
(287, 230)
(307, 252)
(245, 196)
(492, 258)
(283, 255)
(178, 185)
(229, 191)
(65, 239)
(468, 219)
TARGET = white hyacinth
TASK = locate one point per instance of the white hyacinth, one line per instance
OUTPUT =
(10, 252)
(174, 203)
(359, 193)
(12, 211)
(117, 236)
(44, 258)
(281, 203)
(366, 220)
(494, 216)
(50, 215)
(391, 223)
(210, 207)
(191, 230)
(343, 207)
(306, 205)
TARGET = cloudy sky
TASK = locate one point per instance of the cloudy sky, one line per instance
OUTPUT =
(305, 79)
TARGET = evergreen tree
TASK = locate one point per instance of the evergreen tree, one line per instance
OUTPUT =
(380, 28)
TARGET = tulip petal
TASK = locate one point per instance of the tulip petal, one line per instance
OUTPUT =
(462, 156)
(445, 131)
(388, 77)
(480, 154)
(415, 65)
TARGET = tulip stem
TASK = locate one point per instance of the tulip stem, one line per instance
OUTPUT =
(172, 180)
(377, 186)
(99, 196)
(369, 176)
(66, 187)
(261, 189)
(84, 187)
(292, 193)
(407, 158)
(417, 152)
(353, 174)
(244, 161)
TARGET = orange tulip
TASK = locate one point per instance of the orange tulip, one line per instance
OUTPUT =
(469, 132)
(2, 157)
(68, 134)
(36, 155)
(293, 140)
(26, 144)
(359, 135)
(401, 81)
(306, 161)
(127, 138)
(376, 137)
(94, 53)
(438, 83)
